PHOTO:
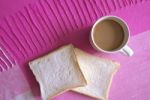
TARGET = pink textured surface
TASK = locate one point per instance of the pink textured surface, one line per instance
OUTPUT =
(132, 80)
(30, 30)
(8, 7)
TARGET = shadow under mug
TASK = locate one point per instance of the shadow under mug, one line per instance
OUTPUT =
(123, 48)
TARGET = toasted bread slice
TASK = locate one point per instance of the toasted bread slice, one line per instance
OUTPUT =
(57, 72)
(98, 73)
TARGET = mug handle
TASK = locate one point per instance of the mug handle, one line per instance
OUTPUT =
(127, 51)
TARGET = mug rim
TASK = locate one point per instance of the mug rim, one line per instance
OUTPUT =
(92, 41)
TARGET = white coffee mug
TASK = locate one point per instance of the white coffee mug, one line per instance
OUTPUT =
(123, 48)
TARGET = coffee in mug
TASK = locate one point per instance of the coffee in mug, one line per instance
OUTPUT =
(110, 34)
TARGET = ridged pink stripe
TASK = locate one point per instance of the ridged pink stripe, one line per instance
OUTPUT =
(38, 27)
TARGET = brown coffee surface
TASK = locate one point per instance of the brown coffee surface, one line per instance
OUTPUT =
(108, 35)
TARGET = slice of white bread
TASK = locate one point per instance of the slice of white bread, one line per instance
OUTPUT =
(98, 73)
(57, 72)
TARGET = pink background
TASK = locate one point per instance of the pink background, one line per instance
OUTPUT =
(63, 26)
